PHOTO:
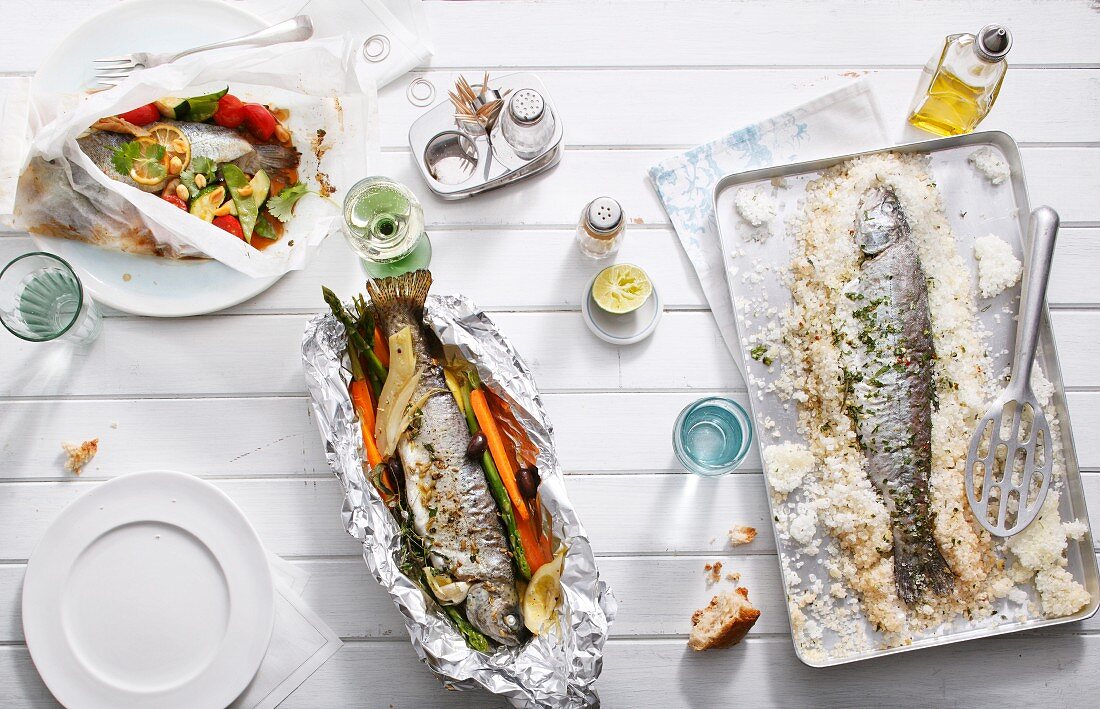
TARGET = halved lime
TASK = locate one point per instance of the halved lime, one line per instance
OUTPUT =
(621, 288)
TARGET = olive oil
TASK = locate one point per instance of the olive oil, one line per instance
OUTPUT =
(958, 87)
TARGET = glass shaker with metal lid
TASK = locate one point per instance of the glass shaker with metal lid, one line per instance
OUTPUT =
(527, 123)
(600, 231)
(958, 87)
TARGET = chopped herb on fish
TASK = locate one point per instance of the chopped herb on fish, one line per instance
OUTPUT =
(889, 384)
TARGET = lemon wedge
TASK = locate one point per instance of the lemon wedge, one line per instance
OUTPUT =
(621, 288)
(543, 594)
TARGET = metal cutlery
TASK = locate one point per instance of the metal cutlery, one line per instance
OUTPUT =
(110, 71)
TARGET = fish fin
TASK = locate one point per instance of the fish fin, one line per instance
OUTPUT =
(916, 572)
(409, 289)
(268, 157)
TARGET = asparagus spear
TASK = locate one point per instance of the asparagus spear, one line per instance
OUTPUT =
(355, 336)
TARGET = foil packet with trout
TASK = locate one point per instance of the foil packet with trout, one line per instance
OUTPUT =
(435, 427)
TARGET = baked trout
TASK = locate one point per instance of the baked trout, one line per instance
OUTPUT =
(220, 144)
(888, 379)
(453, 510)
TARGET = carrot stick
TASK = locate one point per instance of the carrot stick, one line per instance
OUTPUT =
(381, 349)
(531, 547)
(361, 398)
(500, 456)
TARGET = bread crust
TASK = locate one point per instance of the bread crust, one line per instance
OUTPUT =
(733, 627)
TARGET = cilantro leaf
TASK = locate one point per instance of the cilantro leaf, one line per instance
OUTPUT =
(124, 156)
(281, 206)
(199, 166)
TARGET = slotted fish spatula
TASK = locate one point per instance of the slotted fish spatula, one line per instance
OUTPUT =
(1011, 454)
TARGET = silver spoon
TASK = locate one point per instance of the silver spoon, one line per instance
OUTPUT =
(1018, 466)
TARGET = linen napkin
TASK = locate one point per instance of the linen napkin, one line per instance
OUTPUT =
(300, 643)
(845, 120)
(401, 29)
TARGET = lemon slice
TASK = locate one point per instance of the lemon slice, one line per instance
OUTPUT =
(540, 600)
(146, 171)
(621, 288)
(174, 141)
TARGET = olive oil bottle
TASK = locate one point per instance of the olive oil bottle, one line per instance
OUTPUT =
(958, 87)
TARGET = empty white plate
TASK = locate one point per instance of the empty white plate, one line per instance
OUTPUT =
(152, 590)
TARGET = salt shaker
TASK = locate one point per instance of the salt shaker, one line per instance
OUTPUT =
(527, 123)
(600, 231)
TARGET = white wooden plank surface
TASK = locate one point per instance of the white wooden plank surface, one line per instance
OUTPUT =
(637, 82)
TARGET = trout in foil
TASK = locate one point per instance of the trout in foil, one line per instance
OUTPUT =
(452, 508)
(889, 387)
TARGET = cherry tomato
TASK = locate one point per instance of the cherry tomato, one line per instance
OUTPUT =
(173, 199)
(259, 121)
(142, 115)
(229, 113)
(229, 223)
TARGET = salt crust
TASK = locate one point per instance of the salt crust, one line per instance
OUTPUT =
(831, 490)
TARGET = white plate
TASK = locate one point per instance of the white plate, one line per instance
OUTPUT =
(146, 285)
(625, 329)
(152, 590)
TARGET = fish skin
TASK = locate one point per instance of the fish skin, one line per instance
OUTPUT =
(465, 535)
(220, 144)
(888, 377)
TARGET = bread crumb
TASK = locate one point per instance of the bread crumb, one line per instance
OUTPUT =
(733, 577)
(114, 424)
(740, 534)
(80, 455)
(724, 622)
(714, 572)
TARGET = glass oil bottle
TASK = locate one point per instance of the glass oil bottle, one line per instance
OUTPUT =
(958, 88)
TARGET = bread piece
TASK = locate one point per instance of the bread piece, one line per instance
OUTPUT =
(724, 622)
(80, 455)
(739, 534)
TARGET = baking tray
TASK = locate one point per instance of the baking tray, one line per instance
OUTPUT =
(974, 208)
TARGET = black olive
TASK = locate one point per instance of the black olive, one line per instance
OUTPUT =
(478, 444)
(528, 481)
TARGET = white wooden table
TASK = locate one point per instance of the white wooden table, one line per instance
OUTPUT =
(223, 396)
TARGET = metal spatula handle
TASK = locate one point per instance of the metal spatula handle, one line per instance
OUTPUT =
(1043, 231)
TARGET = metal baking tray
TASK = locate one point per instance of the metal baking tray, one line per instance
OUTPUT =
(436, 133)
(974, 208)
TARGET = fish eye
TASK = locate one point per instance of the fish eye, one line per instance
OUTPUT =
(511, 621)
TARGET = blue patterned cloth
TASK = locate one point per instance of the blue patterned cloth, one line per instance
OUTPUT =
(842, 121)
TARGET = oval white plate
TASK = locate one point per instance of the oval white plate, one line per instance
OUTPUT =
(152, 590)
(146, 285)
(623, 329)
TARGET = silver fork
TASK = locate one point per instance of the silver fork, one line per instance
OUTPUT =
(1018, 395)
(110, 71)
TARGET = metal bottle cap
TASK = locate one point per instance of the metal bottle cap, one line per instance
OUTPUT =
(993, 43)
(526, 106)
(604, 215)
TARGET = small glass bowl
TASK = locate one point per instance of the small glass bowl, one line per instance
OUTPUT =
(712, 436)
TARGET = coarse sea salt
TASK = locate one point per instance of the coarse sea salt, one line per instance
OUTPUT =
(998, 267)
(754, 206)
(989, 163)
